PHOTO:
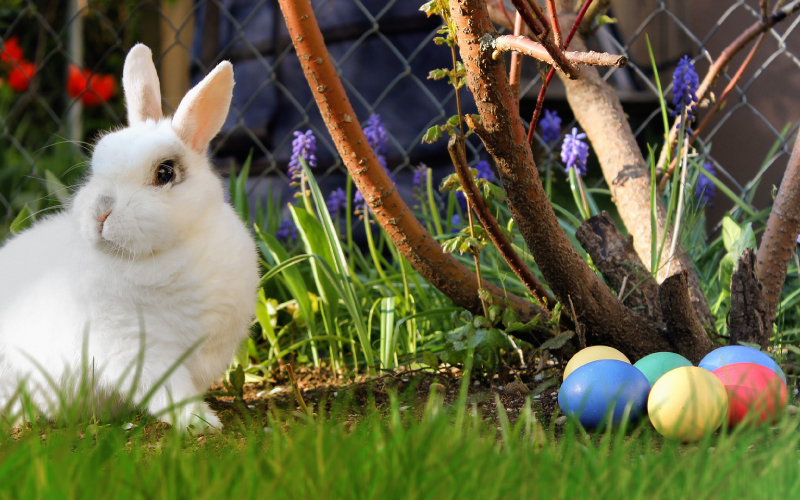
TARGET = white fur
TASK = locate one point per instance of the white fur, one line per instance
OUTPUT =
(173, 261)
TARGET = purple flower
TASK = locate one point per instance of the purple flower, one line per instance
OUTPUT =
(551, 126)
(575, 152)
(420, 175)
(484, 170)
(337, 200)
(359, 203)
(706, 190)
(304, 146)
(287, 231)
(377, 137)
(455, 222)
(684, 88)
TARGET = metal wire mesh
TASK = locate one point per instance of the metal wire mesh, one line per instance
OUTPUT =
(383, 50)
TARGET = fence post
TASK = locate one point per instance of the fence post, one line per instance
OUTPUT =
(177, 30)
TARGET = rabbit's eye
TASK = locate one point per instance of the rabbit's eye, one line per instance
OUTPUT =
(165, 173)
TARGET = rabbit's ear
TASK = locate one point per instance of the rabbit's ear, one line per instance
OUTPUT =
(204, 109)
(140, 81)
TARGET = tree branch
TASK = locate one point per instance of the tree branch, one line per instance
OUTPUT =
(412, 240)
(780, 237)
(684, 330)
(540, 28)
(598, 110)
(616, 259)
(607, 321)
(722, 62)
(489, 223)
(717, 106)
(525, 45)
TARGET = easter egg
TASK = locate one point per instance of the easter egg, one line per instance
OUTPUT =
(687, 403)
(601, 387)
(657, 364)
(754, 391)
(593, 353)
(731, 354)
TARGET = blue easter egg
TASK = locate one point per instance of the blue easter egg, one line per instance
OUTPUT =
(731, 354)
(597, 388)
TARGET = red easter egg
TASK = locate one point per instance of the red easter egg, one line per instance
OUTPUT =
(753, 389)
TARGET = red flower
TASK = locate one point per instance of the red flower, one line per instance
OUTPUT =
(11, 50)
(19, 78)
(92, 89)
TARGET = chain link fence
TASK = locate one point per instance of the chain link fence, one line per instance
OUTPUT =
(55, 97)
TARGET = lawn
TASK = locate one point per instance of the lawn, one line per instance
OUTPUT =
(373, 442)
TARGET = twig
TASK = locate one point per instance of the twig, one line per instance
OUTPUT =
(490, 224)
(551, 7)
(725, 57)
(515, 73)
(537, 111)
(296, 389)
(606, 319)
(622, 288)
(525, 45)
(410, 237)
(717, 106)
(540, 28)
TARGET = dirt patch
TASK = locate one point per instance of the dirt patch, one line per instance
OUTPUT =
(320, 391)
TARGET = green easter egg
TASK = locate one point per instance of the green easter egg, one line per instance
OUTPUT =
(657, 364)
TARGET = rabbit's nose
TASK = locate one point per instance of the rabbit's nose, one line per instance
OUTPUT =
(102, 216)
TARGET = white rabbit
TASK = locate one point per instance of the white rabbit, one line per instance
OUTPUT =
(148, 244)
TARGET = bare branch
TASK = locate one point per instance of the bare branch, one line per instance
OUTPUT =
(539, 27)
(525, 45)
(411, 238)
(607, 321)
(489, 223)
(722, 62)
(780, 237)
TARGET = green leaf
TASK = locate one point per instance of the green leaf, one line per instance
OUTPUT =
(432, 135)
(726, 266)
(431, 8)
(237, 381)
(430, 359)
(341, 269)
(438, 74)
(294, 280)
(558, 341)
(731, 232)
(313, 237)
(56, 187)
(23, 220)
(265, 317)
(453, 121)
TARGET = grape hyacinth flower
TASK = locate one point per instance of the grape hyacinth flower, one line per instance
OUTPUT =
(287, 231)
(456, 223)
(420, 176)
(337, 200)
(304, 146)
(484, 170)
(684, 88)
(575, 152)
(551, 126)
(706, 190)
(377, 137)
(359, 203)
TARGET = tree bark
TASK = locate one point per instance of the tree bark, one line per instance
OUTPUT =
(684, 330)
(607, 321)
(748, 316)
(618, 262)
(780, 237)
(597, 108)
(412, 240)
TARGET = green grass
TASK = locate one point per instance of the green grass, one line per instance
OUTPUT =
(399, 452)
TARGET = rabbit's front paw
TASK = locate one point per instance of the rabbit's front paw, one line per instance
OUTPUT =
(199, 417)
